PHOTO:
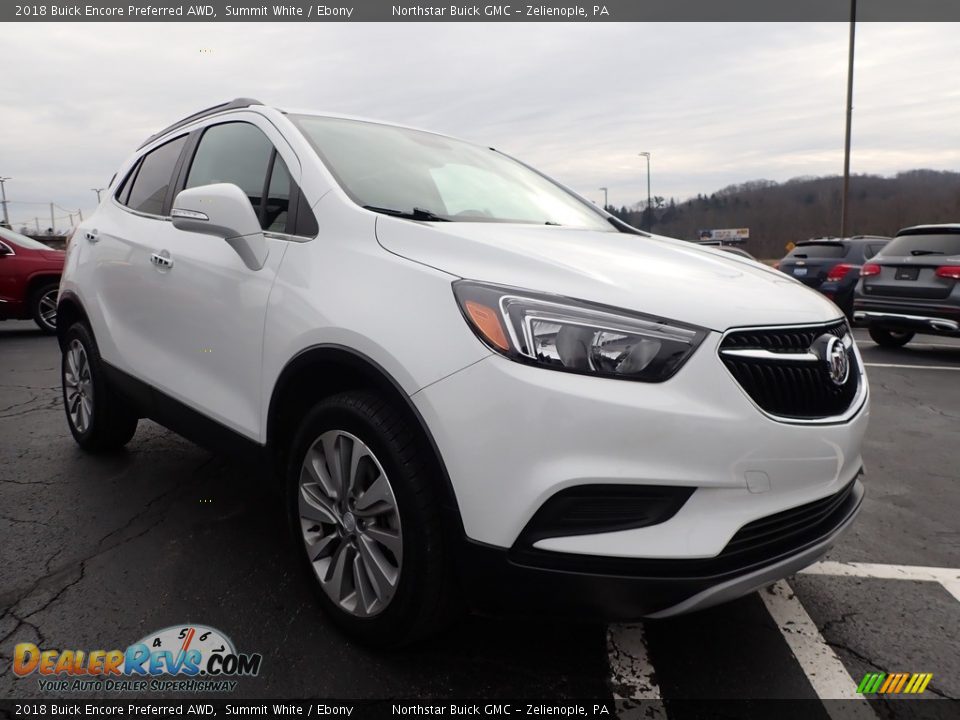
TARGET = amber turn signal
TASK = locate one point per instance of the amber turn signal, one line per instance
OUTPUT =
(487, 321)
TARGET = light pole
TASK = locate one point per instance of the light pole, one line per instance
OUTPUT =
(846, 142)
(98, 191)
(605, 203)
(3, 192)
(649, 203)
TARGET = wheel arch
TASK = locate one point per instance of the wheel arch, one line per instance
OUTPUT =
(69, 311)
(323, 370)
(39, 278)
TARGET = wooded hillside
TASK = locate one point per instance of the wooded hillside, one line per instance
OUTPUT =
(806, 207)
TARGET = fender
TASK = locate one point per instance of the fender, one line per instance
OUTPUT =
(359, 365)
(69, 310)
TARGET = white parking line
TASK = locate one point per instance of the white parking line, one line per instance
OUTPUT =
(884, 572)
(630, 668)
(948, 577)
(953, 588)
(632, 673)
(913, 367)
(824, 671)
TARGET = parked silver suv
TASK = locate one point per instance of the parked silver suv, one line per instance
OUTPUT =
(912, 286)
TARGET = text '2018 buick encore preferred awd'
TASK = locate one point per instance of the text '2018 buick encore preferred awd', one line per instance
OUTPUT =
(475, 387)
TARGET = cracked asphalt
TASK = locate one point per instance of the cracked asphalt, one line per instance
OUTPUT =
(97, 552)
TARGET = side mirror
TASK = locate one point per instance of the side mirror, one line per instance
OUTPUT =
(225, 211)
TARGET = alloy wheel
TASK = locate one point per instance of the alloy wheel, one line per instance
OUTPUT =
(79, 386)
(350, 523)
(48, 308)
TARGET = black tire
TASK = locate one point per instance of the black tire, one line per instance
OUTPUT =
(39, 309)
(424, 600)
(111, 420)
(890, 338)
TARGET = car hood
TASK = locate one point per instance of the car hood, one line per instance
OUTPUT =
(659, 276)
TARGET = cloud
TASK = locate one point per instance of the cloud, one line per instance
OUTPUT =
(715, 103)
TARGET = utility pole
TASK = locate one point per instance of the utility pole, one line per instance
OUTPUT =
(649, 203)
(80, 213)
(846, 145)
(98, 191)
(52, 221)
(3, 191)
(36, 221)
(605, 203)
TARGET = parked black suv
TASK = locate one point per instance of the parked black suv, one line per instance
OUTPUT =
(912, 286)
(832, 265)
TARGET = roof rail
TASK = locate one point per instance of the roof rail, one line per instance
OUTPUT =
(232, 105)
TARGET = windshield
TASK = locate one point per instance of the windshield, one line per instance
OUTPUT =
(431, 177)
(22, 240)
(922, 244)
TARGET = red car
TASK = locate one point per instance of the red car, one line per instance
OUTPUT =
(29, 280)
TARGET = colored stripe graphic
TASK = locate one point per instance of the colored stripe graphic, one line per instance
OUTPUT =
(870, 683)
(891, 681)
(894, 683)
(922, 684)
(903, 681)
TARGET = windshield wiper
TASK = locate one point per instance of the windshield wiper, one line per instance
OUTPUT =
(926, 252)
(415, 214)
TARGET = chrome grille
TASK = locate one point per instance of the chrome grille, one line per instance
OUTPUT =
(785, 373)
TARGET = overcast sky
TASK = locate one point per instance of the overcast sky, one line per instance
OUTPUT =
(715, 104)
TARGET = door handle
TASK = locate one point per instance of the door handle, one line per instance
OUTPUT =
(92, 235)
(162, 259)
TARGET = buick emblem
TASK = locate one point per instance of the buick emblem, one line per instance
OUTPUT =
(836, 359)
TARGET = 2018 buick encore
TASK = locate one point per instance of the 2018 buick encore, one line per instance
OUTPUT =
(475, 386)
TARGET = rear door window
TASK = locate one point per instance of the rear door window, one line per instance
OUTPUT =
(149, 183)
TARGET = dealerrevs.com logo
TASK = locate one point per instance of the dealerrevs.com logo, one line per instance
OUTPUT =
(180, 658)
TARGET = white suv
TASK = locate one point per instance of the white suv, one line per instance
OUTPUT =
(473, 384)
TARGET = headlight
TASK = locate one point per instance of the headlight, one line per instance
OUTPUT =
(560, 333)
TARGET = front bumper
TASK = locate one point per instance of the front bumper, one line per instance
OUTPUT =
(512, 436)
(497, 580)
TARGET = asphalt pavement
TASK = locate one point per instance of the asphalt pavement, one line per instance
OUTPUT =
(96, 552)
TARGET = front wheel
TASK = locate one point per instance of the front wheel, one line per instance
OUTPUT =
(890, 338)
(100, 420)
(366, 521)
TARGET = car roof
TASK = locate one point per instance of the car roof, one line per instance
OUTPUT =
(838, 240)
(234, 104)
(250, 103)
(930, 229)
